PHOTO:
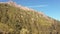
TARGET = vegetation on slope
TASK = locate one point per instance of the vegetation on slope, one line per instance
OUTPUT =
(15, 20)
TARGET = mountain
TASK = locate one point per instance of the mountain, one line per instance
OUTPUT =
(17, 19)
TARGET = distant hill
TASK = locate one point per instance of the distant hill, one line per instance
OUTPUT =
(17, 19)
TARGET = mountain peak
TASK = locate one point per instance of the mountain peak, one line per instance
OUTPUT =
(14, 4)
(11, 3)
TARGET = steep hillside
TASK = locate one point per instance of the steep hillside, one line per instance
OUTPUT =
(15, 19)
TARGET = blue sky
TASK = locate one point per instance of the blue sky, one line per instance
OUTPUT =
(49, 7)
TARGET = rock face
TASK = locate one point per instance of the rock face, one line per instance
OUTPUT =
(15, 20)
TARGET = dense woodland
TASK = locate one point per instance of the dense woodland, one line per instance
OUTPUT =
(15, 20)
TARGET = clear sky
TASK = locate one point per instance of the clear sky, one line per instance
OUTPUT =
(49, 7)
